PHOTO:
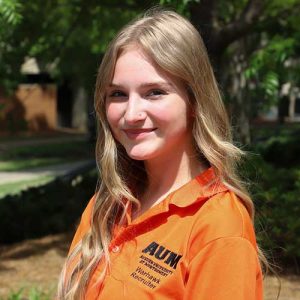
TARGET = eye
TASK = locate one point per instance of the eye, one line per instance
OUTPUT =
(116, 94)
(156, 92)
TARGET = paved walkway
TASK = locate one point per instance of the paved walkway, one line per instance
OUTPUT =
(55, 171)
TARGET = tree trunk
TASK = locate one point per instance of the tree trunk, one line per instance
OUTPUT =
(237, 91)
(218, 38)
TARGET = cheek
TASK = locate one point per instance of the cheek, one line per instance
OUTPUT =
(172, 116)
(113, 114)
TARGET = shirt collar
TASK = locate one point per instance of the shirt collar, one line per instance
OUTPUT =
(203, 186)
(200, 188)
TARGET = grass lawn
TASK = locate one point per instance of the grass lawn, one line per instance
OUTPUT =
(69, 149)
(30, 293)
(19, 165)
(20, 158)
(18, 186)
(35, 156)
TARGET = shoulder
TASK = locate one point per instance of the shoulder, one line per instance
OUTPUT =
(222, 216)
(85, 222)
(88, 211)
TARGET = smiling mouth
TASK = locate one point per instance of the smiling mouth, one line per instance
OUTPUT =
(138, 133)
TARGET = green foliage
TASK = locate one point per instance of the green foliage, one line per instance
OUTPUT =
(274, 60)
(34, 294)
(270, 83)
(14, 125)
(267, 69)
(276, 192)
(10, 12)
(274, 54)
(44, 210)
(277, 203)
(68, 43)
(181, 6)
(10, 20)
(276, 6)
(261, 59)
(281, 151)
(229, 10)
(14, 295)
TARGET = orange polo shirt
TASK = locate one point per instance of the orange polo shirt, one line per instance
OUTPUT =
(197, 243)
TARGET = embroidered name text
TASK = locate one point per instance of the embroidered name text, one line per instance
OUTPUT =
(160, 252)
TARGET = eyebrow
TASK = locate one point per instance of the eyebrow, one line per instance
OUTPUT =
(146, 84)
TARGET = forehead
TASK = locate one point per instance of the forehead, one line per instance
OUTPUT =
(134, 64)
(135, 67)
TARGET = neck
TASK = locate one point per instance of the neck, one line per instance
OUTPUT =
(168, 174)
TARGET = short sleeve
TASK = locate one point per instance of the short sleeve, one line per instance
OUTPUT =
(225, 269)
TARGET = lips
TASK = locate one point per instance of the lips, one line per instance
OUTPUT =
(138, 133)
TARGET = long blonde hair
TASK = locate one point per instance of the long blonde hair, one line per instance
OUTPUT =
(176, 47)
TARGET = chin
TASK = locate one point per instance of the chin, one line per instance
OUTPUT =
(140, 155)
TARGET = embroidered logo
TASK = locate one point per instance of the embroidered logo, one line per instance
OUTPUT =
(161, 253)
(150, 272)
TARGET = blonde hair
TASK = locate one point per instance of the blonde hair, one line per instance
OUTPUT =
(176, 47)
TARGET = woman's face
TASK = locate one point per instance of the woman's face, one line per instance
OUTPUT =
(147, 110)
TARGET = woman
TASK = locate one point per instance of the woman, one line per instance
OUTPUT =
(170, 219)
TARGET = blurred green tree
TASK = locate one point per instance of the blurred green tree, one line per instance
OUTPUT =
(250, 43)
(10, 18)
(65, 37)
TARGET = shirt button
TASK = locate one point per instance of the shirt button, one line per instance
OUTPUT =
(116, 249)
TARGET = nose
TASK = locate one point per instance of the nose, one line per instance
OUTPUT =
(135, 111)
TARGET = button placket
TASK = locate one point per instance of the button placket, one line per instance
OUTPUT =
(115, 249)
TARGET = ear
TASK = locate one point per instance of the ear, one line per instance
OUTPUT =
(193, 113)
(191, 97)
